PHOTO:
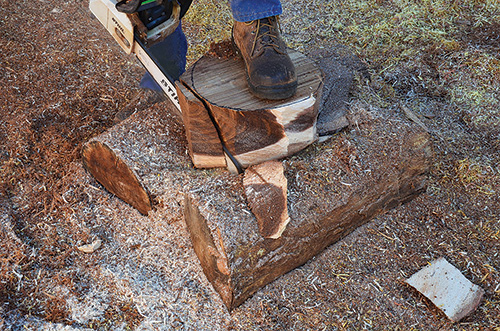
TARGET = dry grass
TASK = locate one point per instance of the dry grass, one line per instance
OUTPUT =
(206, 22)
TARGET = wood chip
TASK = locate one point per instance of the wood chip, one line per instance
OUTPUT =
(447, 288)
(412, 116)
(90, 248)
(266, 192)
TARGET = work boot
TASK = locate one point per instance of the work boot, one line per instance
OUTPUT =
(269, 71)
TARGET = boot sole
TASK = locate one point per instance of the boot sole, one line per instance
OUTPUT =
(273, 93)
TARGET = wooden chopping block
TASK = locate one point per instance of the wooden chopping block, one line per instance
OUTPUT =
(217, 106)
(258, 131)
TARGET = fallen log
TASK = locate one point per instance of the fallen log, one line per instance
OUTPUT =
(333, 188)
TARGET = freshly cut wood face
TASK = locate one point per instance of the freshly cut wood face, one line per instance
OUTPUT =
(253, 130)
(266, 192)
(447, 288)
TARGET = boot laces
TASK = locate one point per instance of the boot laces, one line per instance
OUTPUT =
(267, 36)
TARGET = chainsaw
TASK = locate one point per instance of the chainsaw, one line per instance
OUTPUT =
(137, 25)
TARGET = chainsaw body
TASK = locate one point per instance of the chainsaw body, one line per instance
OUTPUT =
(137, 33)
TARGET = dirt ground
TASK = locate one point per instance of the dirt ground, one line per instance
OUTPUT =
(63, 80)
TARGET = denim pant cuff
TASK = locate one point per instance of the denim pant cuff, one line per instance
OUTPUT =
(245, 10)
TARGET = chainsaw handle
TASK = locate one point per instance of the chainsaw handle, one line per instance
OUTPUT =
(159, 32)
(166, 28)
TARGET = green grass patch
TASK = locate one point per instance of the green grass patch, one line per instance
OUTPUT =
(426, 47)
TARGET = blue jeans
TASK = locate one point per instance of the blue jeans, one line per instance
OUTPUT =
(249, 10)
(170, 54)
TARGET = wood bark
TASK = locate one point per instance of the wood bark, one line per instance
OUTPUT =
(113, 172)
(218, 106)
(204, 143)
(127, 158)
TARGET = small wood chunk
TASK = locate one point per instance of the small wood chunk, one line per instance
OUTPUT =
(266, 192)
(447, 288)
(335, 96)
(122, 158)
(92, 247)
(339, 66)
(115, 175)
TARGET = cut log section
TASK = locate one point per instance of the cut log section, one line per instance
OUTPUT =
(266, 191)
(333, 188)
(218, 106)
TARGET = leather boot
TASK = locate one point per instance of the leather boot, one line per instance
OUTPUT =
(269, 71)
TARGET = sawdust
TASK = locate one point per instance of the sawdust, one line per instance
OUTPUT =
(62, 81)
(222, 50)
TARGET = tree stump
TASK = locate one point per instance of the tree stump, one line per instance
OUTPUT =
(221, 116)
